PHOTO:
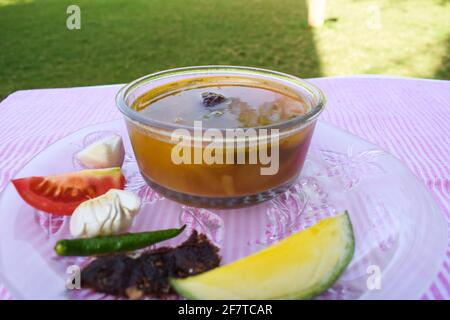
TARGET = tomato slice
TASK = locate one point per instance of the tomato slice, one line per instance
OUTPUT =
(61, 194)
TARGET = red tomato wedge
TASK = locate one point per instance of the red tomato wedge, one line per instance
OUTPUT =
(61, 194)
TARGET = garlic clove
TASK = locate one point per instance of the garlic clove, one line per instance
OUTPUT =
(105, 153)
(107, 214)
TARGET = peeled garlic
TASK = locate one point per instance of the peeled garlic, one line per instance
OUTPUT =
(105, 153)
(110, 213)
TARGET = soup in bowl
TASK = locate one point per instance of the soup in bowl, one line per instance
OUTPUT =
(219, 136)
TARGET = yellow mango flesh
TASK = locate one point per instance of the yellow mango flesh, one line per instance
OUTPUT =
(298, 267)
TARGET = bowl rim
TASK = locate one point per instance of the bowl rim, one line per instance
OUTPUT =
(300, 121)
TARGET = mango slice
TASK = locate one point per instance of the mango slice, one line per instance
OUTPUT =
(299, 267)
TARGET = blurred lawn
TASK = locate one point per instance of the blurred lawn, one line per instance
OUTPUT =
(121, 40)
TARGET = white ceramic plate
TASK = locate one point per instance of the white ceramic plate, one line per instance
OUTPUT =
(401, 235)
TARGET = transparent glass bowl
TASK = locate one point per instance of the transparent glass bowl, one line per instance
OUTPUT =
(223, 185)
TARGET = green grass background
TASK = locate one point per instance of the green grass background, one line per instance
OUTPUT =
(121, 40)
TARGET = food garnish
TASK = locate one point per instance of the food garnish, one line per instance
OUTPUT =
(108, 214)
(299, 267)
(211, 99)
(113, 244)
(61, 194)
(121, 275)
(105, 153)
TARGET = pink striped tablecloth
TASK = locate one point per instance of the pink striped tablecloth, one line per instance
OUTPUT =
(410, 118)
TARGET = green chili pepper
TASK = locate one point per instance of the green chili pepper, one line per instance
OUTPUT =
(114, 243)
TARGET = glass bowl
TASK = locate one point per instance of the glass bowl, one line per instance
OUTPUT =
(258, 162)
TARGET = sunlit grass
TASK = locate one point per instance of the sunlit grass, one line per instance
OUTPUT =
(12, 2)
(412, 38)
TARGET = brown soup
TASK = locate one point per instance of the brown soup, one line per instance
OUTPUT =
(219, 102)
